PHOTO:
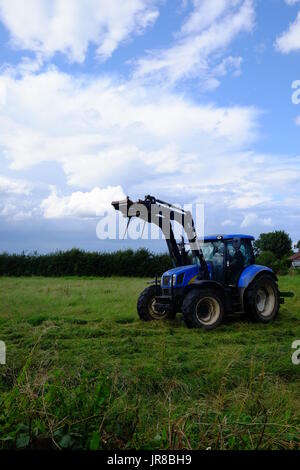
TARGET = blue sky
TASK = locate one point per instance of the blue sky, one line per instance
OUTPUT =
(190, 100)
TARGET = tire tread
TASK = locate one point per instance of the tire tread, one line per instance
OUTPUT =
(250, 307)
(143, 303)
(188, 308)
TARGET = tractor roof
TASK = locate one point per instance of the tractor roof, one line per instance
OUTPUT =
(211, 238)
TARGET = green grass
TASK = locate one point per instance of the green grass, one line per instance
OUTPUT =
(83, 372)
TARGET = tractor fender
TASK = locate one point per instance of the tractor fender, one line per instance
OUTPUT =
(249, 275)
(251, 272)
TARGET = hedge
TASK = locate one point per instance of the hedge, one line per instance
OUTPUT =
(75, 262)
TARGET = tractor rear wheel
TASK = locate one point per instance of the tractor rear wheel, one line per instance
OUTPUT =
(203, 309)
(262, 299)
(147, 308)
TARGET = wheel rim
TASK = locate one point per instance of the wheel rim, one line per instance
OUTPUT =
(157, 315)
(265, 301)
(208, 311)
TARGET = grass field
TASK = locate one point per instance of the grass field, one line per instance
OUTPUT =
(83, 372)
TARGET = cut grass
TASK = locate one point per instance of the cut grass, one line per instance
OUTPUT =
(83, 372)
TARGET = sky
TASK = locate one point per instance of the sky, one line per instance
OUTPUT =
(193, 101)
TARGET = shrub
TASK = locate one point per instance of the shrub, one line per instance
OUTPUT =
(140, 263)
(266, 258)
(282, 266)
(279, 266)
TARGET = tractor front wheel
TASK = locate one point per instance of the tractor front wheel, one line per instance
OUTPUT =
(203, 309)
(262, 299)
(147, 306)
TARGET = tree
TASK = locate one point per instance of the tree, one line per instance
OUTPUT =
(279, 266)
(278, 242)
(298, 245)
(266, 258)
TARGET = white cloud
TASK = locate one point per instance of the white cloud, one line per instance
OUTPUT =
(68, 26)
(207, 33)
(14, 212)
(112, 137)
(249, 199)
(227, 223)
(252, 219)
(80, 204)
(103, 132)
(9, 186)
(14, 199)
(289, 41)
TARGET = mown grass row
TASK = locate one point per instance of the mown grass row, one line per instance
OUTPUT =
(83, 372)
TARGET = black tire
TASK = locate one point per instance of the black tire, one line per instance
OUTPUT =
(262, 299)
(146, 306)
(203, 308)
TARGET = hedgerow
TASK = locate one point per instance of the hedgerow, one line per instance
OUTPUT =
(75, 262)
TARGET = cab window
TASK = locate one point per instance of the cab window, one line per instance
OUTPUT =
(213, 252)
(246, 251)
(238, 259)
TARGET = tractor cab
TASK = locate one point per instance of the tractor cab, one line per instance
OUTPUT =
(227, 256)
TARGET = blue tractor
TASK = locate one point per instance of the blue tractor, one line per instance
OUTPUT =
(217, 277)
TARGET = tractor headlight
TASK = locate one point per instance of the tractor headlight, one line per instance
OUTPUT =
(166, 281)
(177, 280)
(180, 279)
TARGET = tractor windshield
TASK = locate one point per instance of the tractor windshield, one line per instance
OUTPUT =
(213, 252)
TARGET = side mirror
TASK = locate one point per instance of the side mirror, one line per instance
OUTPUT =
(236, 243)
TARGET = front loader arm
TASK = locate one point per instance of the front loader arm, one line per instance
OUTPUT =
(131, 209)
(161, 213)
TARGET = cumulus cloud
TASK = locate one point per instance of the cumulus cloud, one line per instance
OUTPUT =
(102, 132)
(107, 134)
(14, 212)
(68, 27)
(205, 35)
(289, 40)
(14, 199)
(249, 199)
(252, 219)
(9, 186)
(80, 204)
(113, 137)
(227, 223)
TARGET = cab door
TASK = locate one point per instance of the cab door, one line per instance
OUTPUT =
(239, 255)
(218, 261)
